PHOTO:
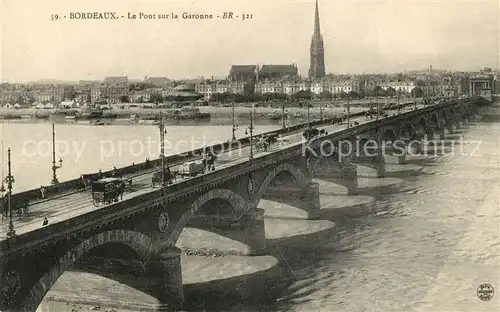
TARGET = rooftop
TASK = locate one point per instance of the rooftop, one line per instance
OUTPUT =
(243, 69)
(278, 69)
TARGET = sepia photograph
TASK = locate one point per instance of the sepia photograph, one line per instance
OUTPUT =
(250, 156)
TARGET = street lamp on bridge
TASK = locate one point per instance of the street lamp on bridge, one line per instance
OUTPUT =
(234, 126)
(54, 166)
(348, 112)
(399, 104)
(308, 114)
(251, 132)
(283, 114)
(9, 179)
(162, 149)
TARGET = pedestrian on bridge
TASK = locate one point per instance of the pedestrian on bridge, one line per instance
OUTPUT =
(114, 172)
(45, 221)
(43, 192)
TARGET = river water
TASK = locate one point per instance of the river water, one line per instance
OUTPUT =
(429, 247)
(436, 241)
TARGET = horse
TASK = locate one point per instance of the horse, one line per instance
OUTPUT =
(85, 180)
(82, 185)
(17, 207)
(262, 144)
(121, 190)
(272, 138)
(310, 133)
(210, 162)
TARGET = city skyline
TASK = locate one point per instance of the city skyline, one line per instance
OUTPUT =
(359, 37)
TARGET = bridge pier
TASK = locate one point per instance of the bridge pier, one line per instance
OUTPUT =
(308, 196)
(166, 273)
(375, 162)
(449, 127)
(398, 153)
(441, 134)
(350, 179)
(429, 136)
(248, 229)
(347, 176)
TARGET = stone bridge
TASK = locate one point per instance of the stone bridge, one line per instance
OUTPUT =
(145, 228)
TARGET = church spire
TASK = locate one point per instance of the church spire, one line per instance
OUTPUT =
(317, 65)
(317, 30)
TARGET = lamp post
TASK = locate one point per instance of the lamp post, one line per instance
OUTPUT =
(283, 115)
(308, 114)
(348, 113)
(321, 112)
(9, 179)
(54, 166)
(234, 126)
(399, 105)
(251, 133)
(162, 149)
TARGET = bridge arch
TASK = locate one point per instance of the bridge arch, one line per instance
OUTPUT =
(434, 119)
(363, 141)
(330, 168)
(328, 157)
(452, 112)
(139, 242)
(238, 203)
(407, 130)
(298, 176)
(386, 135)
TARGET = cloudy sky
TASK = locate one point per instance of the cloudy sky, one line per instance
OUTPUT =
(360, 36)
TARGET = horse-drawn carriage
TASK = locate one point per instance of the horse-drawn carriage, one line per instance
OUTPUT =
(337, 120)
(107, 190)
(86, 180)
(168, 177)
(192, 168)
(19, 207)
(266, 141)
(310, 133)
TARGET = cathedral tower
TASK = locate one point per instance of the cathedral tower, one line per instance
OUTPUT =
(317, 67)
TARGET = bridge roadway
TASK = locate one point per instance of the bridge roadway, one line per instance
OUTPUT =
(67, 206)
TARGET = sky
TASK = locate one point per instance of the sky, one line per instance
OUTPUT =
(359, 37)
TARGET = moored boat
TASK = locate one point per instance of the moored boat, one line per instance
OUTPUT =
(276, 115)
(192, 113)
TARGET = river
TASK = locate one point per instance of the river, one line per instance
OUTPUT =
(436, 241)
(429, 247)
